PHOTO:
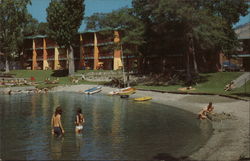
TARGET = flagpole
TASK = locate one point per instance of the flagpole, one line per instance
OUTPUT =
(123, 67)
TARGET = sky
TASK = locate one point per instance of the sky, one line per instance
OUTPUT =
(38, 9)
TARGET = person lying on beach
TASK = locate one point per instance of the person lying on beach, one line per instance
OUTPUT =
(79, 121)
(190, 88)
(56, 125)
(229, 86)
(203, 113)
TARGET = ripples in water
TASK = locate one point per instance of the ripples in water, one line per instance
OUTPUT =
(115, 128)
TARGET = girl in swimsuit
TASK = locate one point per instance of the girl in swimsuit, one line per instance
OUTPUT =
(56, 125)
(79, 121)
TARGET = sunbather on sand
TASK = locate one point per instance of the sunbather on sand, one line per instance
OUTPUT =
(203, 113)
(210, 107)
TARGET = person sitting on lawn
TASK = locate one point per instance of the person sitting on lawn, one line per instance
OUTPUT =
(229, 86)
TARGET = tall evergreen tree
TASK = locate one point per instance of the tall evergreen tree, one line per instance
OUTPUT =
(64, 19)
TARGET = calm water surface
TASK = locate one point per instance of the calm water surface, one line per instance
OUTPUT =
(115, 128)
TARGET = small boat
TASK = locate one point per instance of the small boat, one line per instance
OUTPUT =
(117, 91)
(93, 90)
(143, 98)
(127, 92)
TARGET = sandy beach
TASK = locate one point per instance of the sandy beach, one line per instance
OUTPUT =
(230, 139)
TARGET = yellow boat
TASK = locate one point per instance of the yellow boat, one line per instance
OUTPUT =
(143, 98)
(128, 91)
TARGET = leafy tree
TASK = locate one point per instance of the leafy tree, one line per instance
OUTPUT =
(188, 27)
(31, 26)
(42, 28)
(130, 27)
(64, 19)
(13, 19)
(230, 11)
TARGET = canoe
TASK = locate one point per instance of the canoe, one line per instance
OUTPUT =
(93, 90)
(143, 98)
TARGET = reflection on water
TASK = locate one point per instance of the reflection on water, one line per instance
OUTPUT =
(56, 147)
(115, 128)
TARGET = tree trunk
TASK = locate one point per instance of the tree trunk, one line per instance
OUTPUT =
(123, 67)
(128, 70)
(71, 61)
(7, 69)
(194, 58)
(188, 69)
(164, 64)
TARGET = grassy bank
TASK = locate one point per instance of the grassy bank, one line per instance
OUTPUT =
(212, 83)
(41, 75)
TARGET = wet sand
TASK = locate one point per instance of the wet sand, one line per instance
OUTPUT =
(230, 139)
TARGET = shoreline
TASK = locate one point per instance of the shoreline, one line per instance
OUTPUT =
(230, 139)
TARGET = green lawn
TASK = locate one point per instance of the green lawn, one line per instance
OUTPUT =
(215, 82)
(41, 75)
(212, 83)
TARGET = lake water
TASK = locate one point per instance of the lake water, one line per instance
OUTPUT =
(115, 128)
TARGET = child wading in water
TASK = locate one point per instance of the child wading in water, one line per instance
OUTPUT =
(56, 125)
(79, 121)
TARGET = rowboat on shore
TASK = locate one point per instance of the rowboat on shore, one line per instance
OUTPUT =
(127, 92)
(93, 90)
(146, 98)
(122, 90)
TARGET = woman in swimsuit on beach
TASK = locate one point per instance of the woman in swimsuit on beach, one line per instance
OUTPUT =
(56, 125)
(203, 113)
(79, 121)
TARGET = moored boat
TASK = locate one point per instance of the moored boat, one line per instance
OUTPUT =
(146, 98)
(117, 91)
(127, 92)
(93, 90)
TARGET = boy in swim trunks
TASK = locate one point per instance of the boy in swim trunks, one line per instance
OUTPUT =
(56, 125)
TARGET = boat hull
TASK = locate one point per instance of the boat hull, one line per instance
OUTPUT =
(93, 90)
(121, 91)
(143, 98)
